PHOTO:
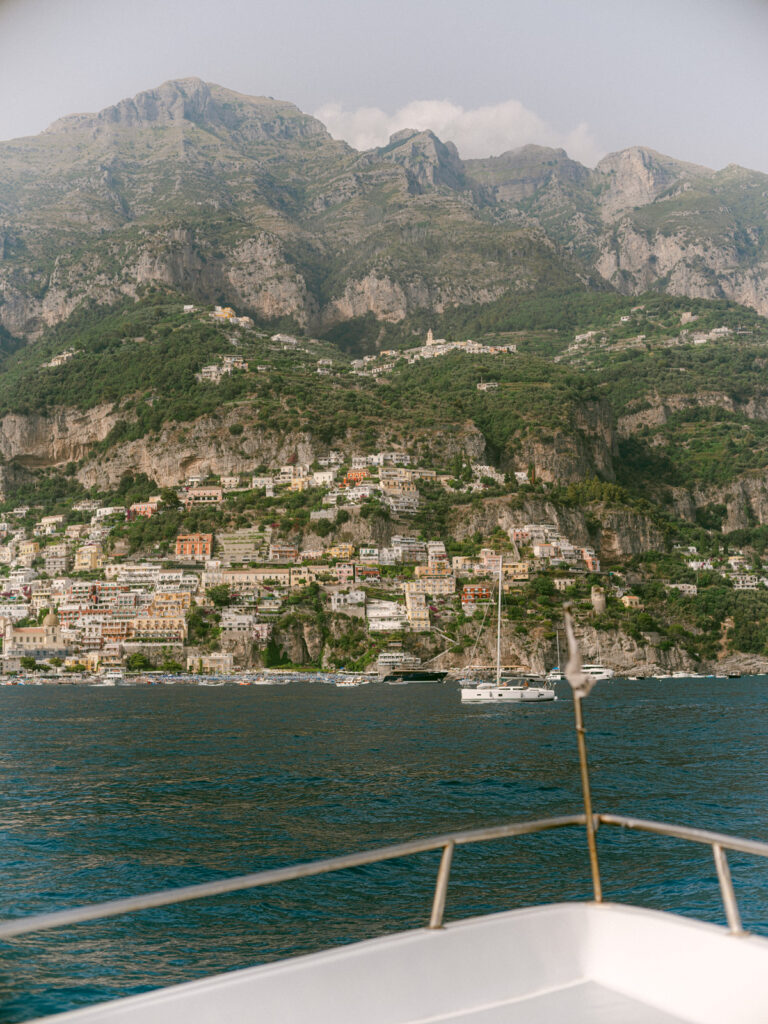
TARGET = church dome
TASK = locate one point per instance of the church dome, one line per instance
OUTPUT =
(51, 620)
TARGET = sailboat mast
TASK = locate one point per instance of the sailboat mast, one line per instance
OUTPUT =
(498, 628)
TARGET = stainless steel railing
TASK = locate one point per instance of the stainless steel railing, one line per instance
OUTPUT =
(718, 842)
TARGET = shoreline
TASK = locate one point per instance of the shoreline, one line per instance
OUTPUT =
(284, 677)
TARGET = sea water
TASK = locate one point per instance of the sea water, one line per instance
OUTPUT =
(117, 791)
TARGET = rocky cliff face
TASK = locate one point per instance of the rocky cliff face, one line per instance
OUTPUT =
(588, 447)
(745, 499)
(615, 533)
(634, 261)
(637, 177)
(198, 449)
(536, 651)
(745, 502)
(65, 436)
(249, 199)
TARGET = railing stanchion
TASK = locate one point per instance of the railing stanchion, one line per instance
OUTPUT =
(732, 915)
(441, 886)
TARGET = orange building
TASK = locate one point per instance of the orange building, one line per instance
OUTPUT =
(144, 508)
(356, 476)
(194, 545)
(475, 593)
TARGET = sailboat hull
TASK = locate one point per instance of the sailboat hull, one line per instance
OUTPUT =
(511, 694)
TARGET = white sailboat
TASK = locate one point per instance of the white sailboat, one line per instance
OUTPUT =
(506, 688)
(555, 675)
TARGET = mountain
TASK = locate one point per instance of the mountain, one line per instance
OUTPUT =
(248, 200)
(191, 191)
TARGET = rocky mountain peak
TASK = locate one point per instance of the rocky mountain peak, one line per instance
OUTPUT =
(193, 101)
(427, 160)
(635, 177)
(184, 99)
(638, 176)
(520, 173)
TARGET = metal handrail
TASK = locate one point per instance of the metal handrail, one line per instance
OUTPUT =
(718, 841)
(165, 897)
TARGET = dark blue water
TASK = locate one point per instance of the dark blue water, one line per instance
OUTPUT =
(109, 792)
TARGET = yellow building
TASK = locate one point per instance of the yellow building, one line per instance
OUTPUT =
(301, 575)
(27, 552)
(437, 568)
(88, 558)
(157, 626)
(177, 599)
(342, 551)
(223, 313)
(516, 570)
(417, 611)
(439, 586)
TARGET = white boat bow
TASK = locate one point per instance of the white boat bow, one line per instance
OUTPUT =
(580, 962)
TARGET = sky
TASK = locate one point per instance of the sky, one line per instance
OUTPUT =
(686, 77)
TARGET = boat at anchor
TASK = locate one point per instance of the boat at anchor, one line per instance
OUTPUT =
(526, 688)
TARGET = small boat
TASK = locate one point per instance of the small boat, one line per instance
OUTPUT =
(111, 678)
(597, 671)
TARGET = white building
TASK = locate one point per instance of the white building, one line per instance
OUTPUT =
(346, 601)
(385, 616)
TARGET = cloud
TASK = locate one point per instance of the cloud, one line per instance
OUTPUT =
(480, 132)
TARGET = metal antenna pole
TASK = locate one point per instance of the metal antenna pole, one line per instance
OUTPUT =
(597, 887)
(581, 685)
(498, 630)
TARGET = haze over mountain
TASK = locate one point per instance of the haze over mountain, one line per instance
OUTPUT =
(248, 200)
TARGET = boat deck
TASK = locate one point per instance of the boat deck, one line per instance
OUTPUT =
(573, 963)
(583, 1002)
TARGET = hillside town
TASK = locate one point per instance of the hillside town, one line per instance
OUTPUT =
(73, 600)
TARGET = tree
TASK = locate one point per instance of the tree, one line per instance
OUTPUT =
(28, 663)
(273, 655)
(220, 595)
(138, 662)
(169, 499)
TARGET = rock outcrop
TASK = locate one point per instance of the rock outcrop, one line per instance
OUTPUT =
(66, 435)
